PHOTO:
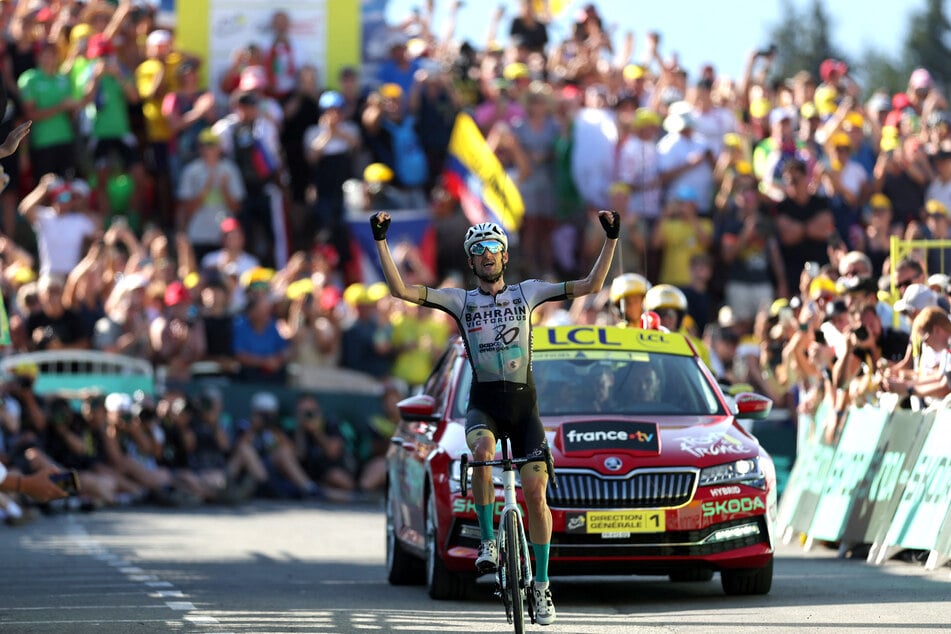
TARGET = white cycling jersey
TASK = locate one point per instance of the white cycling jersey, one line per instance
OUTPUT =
(497, 330)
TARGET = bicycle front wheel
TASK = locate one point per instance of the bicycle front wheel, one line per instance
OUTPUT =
(513, 561)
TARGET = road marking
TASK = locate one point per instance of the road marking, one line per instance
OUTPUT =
(182, 606)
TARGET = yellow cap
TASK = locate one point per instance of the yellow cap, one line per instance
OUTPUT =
(632, 72)
(879, 201)
(759, 108)
(79, 32)
(936, 208)
(854, 120)
(822, 286)
(191, 280)
(300, 288)
(516, 70)
(841, 139)
(257, 275)
(808, 110)
(644, 117)
(743, 168)
(354, 293)
(378, 173)
(732, 139)
(777, 306)
(377, 291)
(208, 137)
(391, 91)
(825, 99)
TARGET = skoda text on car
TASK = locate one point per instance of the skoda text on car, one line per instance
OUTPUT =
(655, 474)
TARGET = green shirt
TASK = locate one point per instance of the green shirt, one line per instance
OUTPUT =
(47, 91)
(109, 110)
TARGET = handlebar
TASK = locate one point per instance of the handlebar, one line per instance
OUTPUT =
(506, 463)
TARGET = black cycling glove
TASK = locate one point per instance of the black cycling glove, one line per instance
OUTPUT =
(612, 227)
(379, 226)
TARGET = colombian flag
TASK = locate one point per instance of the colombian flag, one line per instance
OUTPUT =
(476, 177)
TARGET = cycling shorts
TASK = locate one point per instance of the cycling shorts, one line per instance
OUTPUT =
(508, 409)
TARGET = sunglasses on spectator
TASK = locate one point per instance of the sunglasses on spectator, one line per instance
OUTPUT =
(904, 283)
(491, 246)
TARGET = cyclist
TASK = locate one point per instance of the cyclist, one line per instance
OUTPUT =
(495, 322)
(627, 295)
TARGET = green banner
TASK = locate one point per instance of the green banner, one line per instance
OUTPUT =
(849, 469)
(927, 493)
(812, 460)
(892, 465)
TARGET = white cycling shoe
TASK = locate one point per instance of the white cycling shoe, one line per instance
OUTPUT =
(488, 557)
(544, 606)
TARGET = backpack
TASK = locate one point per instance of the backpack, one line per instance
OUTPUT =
(411, 166)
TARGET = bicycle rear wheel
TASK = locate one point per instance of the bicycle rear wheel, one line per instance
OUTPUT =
(513, 561)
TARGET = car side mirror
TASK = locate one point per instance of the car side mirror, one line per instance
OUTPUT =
(752, 406)
(421, 407)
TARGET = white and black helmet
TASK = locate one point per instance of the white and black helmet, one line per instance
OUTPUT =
(485, 231)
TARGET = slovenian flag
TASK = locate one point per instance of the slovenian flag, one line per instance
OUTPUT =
(475, 176)
(261, 160)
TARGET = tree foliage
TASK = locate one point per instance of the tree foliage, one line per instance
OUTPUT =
(805, 37)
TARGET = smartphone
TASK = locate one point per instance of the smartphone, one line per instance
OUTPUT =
(68, 481)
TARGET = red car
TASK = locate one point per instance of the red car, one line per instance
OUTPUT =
(655, 474)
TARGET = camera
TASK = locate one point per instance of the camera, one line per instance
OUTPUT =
(861, 333)
(25, 382)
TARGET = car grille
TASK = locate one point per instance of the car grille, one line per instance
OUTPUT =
(639, 489)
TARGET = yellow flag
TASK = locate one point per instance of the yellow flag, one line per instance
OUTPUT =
(481, 177)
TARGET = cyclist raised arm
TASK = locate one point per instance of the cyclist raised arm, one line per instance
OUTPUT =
(495, 322)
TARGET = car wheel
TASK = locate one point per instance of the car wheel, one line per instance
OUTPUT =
(402, 568)
(689, 575)
(442, 583)
(748, 580)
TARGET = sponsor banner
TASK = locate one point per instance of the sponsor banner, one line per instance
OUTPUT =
(943, 542)
(616, 522)
(850, 466)
(924, 501)
(892, 464)
(561, 337)
(792, 491)
(804, 488)
(617, 435)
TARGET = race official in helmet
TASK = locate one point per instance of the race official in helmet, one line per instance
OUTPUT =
(670, 303)
(627, 295)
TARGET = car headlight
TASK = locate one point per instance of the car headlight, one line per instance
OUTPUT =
(745, 471)
(454, 471)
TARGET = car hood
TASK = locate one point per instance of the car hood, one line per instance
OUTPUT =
(611, 444)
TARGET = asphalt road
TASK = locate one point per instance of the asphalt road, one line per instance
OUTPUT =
(299, 567)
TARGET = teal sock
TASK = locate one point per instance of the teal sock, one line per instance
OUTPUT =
(484, 513)
(541, 562)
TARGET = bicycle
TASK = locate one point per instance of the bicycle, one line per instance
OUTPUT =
(513, 575)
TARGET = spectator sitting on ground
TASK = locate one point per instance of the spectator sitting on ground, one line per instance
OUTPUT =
(263, 432)
(322, 449)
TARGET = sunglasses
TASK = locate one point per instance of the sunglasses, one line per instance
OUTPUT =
(491, 246)
(904, 283)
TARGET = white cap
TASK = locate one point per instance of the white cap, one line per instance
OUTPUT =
(158, 38)
(917, 297)
(118, 402)
(264, 402)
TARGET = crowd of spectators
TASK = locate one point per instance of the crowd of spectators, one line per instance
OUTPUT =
(205, 227)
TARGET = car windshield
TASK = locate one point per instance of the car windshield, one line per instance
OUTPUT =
(583, 382)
